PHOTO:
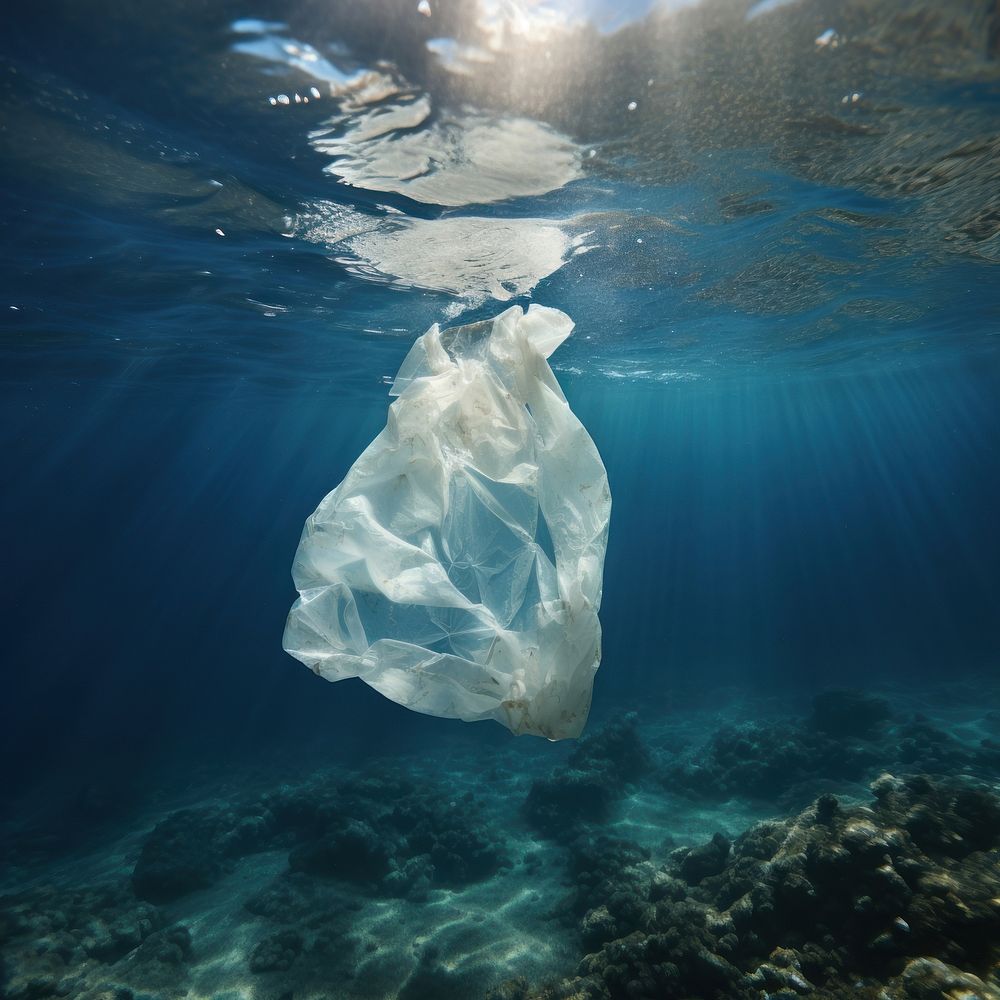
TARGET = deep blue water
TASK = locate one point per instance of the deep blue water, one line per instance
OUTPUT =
(790, 368)
(781, 533)
(790, 505)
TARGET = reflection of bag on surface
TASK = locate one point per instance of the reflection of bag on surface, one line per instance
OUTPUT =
(457, 569)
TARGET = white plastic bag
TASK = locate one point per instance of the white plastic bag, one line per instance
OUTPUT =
(458, 567)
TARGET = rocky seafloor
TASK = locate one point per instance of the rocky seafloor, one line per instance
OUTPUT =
(740, 847)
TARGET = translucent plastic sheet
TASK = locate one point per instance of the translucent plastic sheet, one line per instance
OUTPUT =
(458, 567)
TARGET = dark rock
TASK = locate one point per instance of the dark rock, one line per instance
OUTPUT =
(845, 738)
(375, 829)
(615, 750)
(597, 927)
(190, 849)
(586, 791)
(284, 900)
(401, 840)
(707, 859)
(276, 953)
(931, 979)
(902, 893)
(766, 760)
(607, 870)
(665, 886)
(170, 946)
(559, 805)
(921, 747)
(459, 848)
(354, 852)
(826, 808)
(849, 713)
(179, 856)
(49, 937)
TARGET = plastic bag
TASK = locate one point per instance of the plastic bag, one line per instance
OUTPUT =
(458, 567)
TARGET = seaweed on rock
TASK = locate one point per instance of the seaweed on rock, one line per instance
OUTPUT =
(766, 760)
(372, 833)
(371, 830)
(277, 952)
(56, 943)
(897, 900)
(585, 791)
(191, 849)
(848, 737)
(605, 872)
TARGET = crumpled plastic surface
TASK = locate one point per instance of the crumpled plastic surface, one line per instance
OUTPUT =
(458, 567)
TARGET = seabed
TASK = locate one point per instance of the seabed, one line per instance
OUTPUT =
(721, 844)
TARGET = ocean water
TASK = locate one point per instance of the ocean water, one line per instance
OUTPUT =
(777, 228)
